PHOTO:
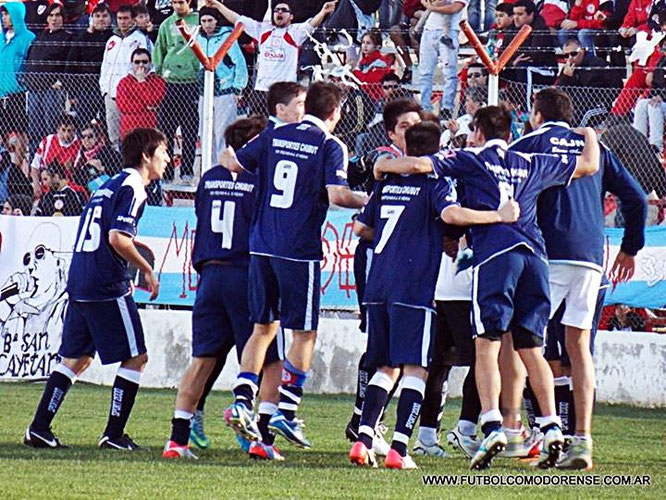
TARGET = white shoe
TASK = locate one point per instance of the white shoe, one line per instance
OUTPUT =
(553, 441)
(379, 445)
(490, 446)
(469, 445)
(434, 450)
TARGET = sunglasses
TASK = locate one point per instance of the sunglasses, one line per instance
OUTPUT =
(141, 61)
(281, 10)
(389, 87)
(40, 251)
(573, 53)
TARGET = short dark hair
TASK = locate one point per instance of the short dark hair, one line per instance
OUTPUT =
(662, 16)
(140, 9)
(375, 37)
(494, 122)
(423, 139)
(102, 7)
(480, 66)
(322, 99)
(505, 7)
(282, 93)
(573, 40)
(140, 51)
(55, 6)
(127, 8)
(21, 201)
(141, 141)
(530, 7)
(286, 2)
(554, 104)
(66, 120)
(397, 107)
(390, 77)
(56, 168)
(429, 116)
(239, 133)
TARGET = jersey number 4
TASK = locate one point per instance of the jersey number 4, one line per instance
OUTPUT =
(91, 231)
(284, 180)
(391, 213)
(224, 224)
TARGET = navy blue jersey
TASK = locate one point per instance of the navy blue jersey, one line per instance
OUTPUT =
(492, 175)
(224, 208)
(97, 272)
(572, 218)
(294, 163)
(405, 214)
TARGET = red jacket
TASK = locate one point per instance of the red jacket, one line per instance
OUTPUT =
(371, 69)
(637, 15)
(584, 15)
(138, 101)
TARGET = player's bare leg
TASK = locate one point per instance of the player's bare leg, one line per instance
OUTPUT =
(376, 397)
(489, 384)
(579, 455)
(190, 390)
(513, 374)
(269, 397)
(294, 374)
(254, 352)
(541, 381)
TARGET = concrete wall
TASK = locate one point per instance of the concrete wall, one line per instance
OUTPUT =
(631, 367)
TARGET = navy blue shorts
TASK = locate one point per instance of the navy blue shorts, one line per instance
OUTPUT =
(510, 293)
(399, 335)
(112, 328)
(221, 316)
(285, 290)
(555, 348)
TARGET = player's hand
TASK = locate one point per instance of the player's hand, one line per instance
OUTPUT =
(521, 58)
(328, 7)
(213, 3)
(655, 101)
(153, 284)
(453, 126)
(599, 16)
(509, 212)
(378, 173)
(623, 268)
(568, 24)
(228, 157)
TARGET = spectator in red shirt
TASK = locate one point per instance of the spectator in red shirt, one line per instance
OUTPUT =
(61, 147)
(583, 22)
(373, 65)
(139, 94)
(636, 19)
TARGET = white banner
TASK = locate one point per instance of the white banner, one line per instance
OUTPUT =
(35, 253)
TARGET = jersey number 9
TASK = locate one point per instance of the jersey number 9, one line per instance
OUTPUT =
(284, 180)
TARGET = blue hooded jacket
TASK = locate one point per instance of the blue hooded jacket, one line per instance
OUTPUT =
(14, 53)
(231, 75)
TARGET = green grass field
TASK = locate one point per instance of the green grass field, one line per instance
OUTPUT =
(628, 441)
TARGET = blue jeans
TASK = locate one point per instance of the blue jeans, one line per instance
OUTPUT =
(390, 13)
(431, 51)
(586, 37)
(474, 14)
(45, 107)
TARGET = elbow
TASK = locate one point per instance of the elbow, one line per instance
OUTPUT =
(450, 216)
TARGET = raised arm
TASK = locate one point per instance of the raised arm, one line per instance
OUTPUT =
(403, 165)
(229, 14)
(461, 216)
(326, 9)
(588, 162)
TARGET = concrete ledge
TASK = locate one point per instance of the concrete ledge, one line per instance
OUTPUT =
(631, 367)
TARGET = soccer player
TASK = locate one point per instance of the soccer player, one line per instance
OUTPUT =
(224, 205)
(403, 219)
(102, 316)
(301, 169)
(510, 289)
(398, 116)
(286, 104)
(574, 245)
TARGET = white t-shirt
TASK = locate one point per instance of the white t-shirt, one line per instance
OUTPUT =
(438, 21)
(453, 285)
(278, 50)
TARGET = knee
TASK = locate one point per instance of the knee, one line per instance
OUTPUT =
(78, 365)
(137, 363)
(305, 336)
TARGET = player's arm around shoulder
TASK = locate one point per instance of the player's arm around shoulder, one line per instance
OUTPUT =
(344, 197)
(123, 244)
(402, 165)
(588, 162)
(456, 215)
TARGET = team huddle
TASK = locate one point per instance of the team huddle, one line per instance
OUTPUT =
(500, 251)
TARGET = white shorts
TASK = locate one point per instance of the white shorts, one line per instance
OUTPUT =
(579, 287)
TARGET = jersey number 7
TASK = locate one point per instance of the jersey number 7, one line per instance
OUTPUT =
(392, 213)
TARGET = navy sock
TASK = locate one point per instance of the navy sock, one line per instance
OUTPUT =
(491, 421)
(219, 364)
(180, 430)
(291, 390)
(123, 393)
(409, 408)
(531, 405)
(434, 399)
(245, 389)
(471, 404)
(376, 396)
(266, 411)
(56, 389)
(565, 405)
(362, 380)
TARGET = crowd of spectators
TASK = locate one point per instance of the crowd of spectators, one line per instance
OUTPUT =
(76, 76)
